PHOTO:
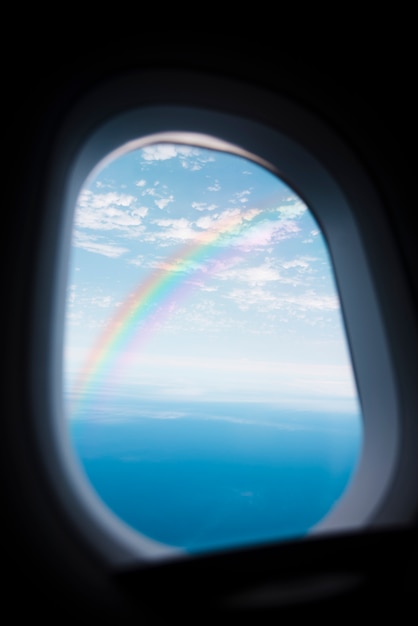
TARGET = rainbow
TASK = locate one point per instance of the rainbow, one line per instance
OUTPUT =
(150, 302)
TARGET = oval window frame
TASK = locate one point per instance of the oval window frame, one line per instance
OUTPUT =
(294, 143)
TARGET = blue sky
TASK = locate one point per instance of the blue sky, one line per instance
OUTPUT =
(256, 316)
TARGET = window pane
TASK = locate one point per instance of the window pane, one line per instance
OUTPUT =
(209, 392)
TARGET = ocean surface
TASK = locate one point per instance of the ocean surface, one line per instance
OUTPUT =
(208, 476)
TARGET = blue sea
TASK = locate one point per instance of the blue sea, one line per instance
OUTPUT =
(208, 476)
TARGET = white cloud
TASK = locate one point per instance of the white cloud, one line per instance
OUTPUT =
(176, 229)
(204, 206)
(291, 211)
(159, 152)
(194, 167)
(104, 200)
(141, 183)
(267, 232)
(191, 158)
(313, 301)
(90, 244)
(176, 223)
(313, 235)
(206, 222)
(267, 301)
(149, 191)
(162, 202)
(140, 211)
(138, 261)
(165, 151)
(252, 275)
(71, 295)
(103, 302)
(219, 226)
(235, 217)
(74, 316)
(203, 287)
(182, 229)
(246, 298)
(109, 211)
(241, 196)
(194, 160)
(174, 266)
(299, 263)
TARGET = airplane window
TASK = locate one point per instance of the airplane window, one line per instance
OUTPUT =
(209, 392)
